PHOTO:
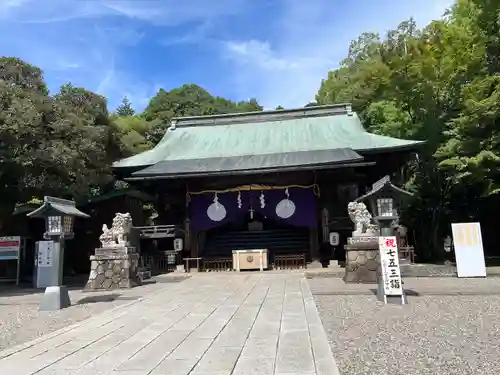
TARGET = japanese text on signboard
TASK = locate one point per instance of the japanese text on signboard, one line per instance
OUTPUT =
(45, 253)
(391, 273)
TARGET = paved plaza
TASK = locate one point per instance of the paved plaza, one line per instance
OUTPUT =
(210, 324)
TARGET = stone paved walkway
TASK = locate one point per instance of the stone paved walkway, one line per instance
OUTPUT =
(224, 324)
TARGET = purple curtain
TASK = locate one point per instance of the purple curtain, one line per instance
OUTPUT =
(301, 211)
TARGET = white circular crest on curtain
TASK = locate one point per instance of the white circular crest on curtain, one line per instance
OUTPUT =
(216, 211)
(285, 208)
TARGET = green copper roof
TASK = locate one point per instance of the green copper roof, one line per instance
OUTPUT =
(270, 132)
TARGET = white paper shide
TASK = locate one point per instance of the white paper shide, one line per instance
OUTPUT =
(391, 272)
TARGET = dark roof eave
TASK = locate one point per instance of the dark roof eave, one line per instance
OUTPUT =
(250, 171)
(409, 147)
(382, 187)
(117, 193)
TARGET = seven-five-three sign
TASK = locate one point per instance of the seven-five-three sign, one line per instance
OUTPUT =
(389, 260)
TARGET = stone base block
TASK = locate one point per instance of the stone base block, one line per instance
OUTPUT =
(333, 264)
(362, 262)
(114, 270)
(55, 298)
(362, 240)
(180, 268)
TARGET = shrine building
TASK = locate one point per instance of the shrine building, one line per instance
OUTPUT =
(276, 180)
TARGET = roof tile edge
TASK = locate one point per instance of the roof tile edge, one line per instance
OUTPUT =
(269, 115)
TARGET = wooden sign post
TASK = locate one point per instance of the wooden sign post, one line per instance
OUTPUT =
(390, 283)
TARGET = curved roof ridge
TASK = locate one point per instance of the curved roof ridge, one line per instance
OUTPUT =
(263, 116)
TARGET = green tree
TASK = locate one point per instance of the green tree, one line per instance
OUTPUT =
(439, 84)
(188, 100)
(471, 153)
(125, 108)
(23, 137)
(133, 132)
(61, 145)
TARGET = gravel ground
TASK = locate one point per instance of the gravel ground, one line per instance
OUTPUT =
(407, 270)
(20, 320)
(450, 326)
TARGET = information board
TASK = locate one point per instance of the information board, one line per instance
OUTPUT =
(45, 253)
(10, 247)
(469, 253)
(392, 284)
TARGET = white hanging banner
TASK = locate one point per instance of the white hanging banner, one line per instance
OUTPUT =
(391, 272)
(216, 211)
(285, 208)
(469, 253)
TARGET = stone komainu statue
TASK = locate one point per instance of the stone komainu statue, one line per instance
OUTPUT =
(118, 234)
(362, 220)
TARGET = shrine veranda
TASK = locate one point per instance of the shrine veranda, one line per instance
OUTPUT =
(276, 180)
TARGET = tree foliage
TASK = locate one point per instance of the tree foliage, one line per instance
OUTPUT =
(64, 144)
(125, 108)
(188, 100)
(61, 145)
(439, 84)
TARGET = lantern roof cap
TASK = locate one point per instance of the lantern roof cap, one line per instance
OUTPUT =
(63, 206)
(383, 188)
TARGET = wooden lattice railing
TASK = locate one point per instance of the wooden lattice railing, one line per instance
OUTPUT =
(218, 264)
(159, 263)
(408, 253)
(290, 261)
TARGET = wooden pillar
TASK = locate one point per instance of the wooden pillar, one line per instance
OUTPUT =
(193, 242)
(313, 244)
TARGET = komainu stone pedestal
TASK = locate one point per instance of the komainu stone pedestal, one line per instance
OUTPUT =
(362, 260)
(114, 268)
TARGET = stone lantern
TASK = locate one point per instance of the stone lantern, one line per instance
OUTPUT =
(362, 249)
(385, 200)
(59, 216)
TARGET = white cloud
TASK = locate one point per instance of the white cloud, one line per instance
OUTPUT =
(312, 37)
(78, 41)
(198, 34)
(309, 38)
(165, 12)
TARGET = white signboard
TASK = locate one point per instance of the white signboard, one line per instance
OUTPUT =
(469, 254)
(334, 239)
(45, 253)
(10, 247)
(389, 260)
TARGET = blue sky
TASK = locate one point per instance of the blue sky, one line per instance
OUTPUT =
(274, 50)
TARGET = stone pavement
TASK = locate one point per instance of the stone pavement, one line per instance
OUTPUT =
(210, 324)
